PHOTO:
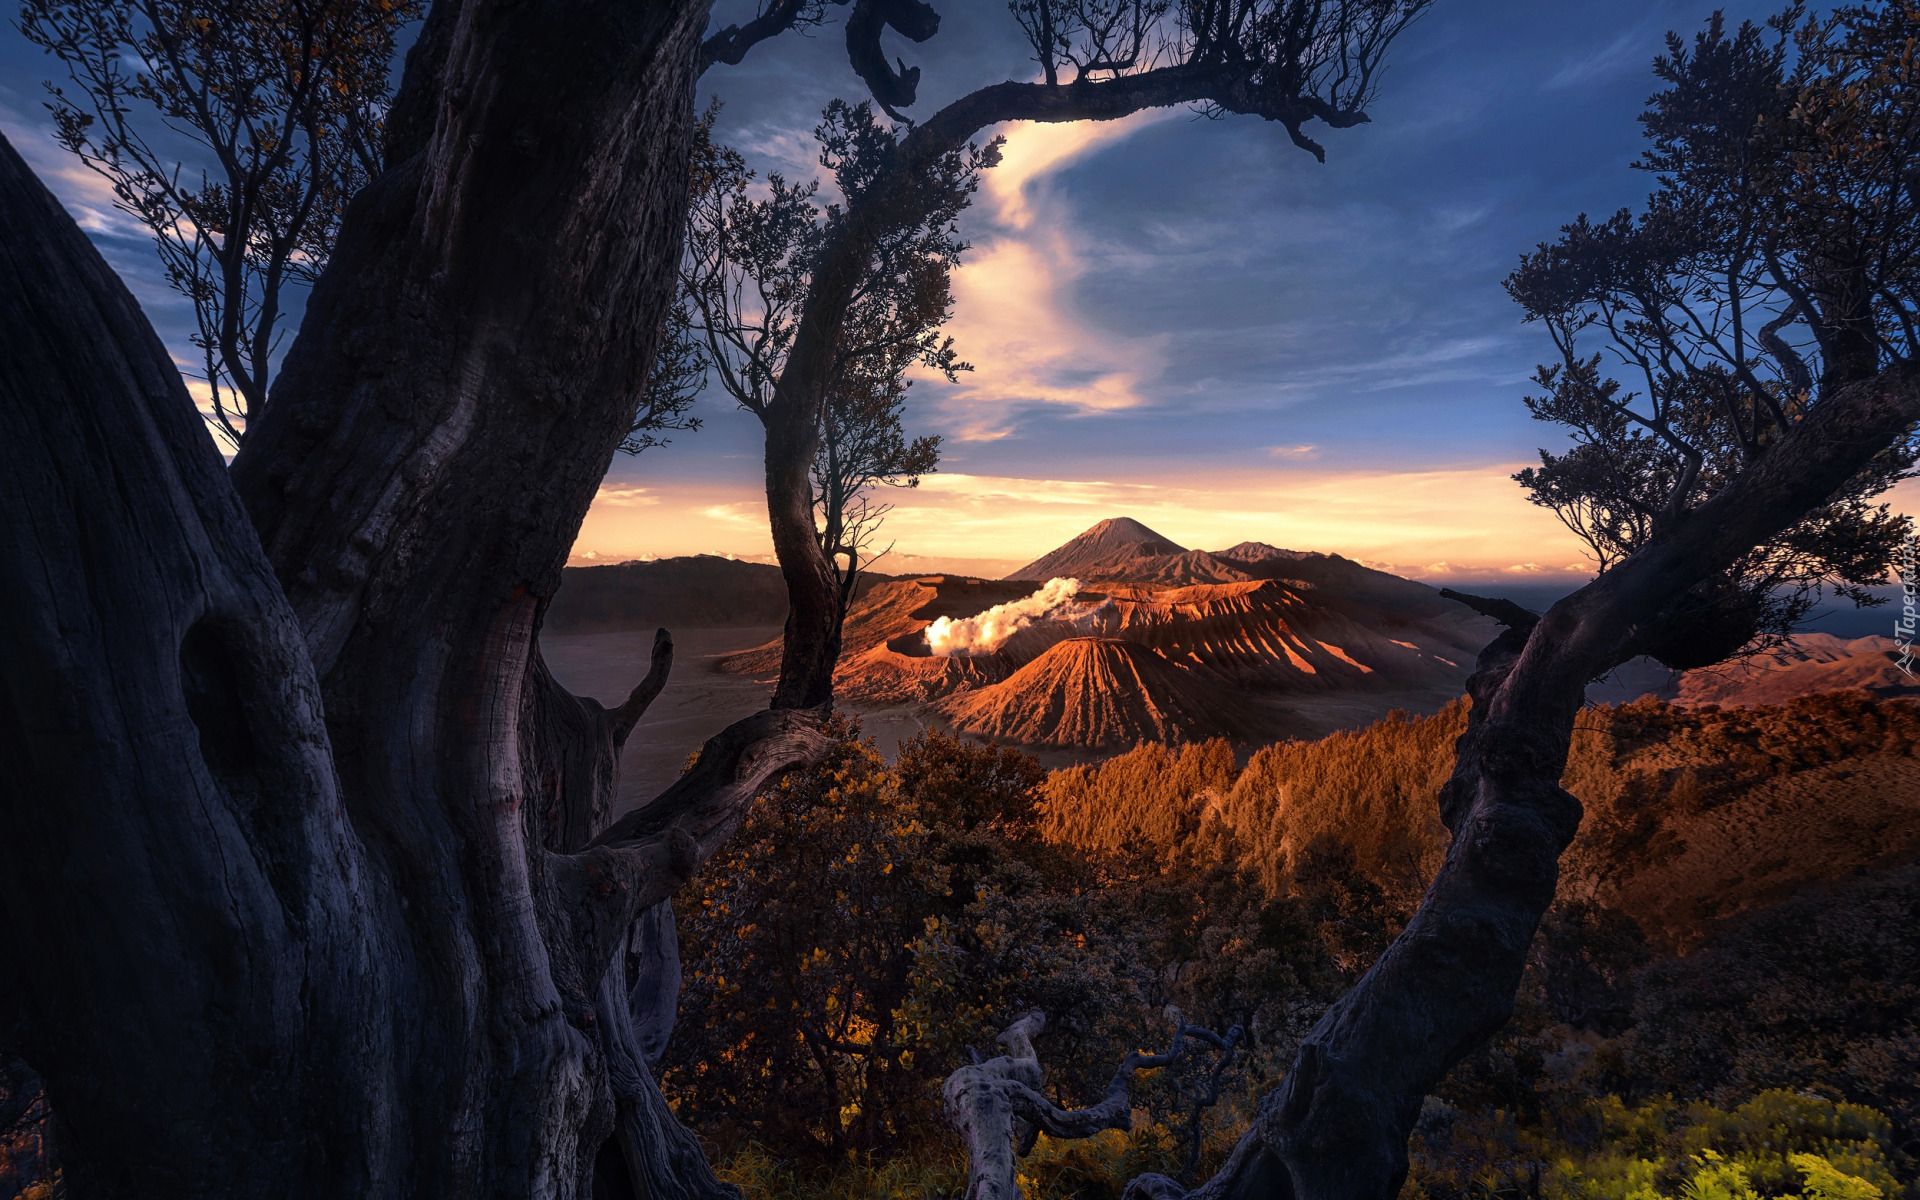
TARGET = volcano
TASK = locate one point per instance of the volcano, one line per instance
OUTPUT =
(1250, 644)
(1111, 545)
(1102, 694)
(1121, 548)
(1123, 635)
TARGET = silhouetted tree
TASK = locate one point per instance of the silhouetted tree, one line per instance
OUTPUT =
(284, 99)
(748, 266)
(862, 444)
(1338, 1125)
(678, 372)
(1773, 265)
(1288, 61)
(301, 863)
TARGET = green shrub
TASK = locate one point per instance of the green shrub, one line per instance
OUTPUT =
(1095, 1168)
(1776, 1145)
(1819, 993)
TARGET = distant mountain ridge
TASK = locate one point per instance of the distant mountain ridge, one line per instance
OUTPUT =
(1260, 552)
(713, 591)
(1253, 642)
(1122, 550)
(1804, 665)
(1337, 576)
(698, 591)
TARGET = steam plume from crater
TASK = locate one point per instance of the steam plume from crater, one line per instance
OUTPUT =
(970, 637)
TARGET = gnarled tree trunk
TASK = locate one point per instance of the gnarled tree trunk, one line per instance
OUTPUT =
(1000, 1112)
(303, 851)
(188, 914)
(466, 369)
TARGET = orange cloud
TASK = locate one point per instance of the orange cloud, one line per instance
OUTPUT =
(625, 496)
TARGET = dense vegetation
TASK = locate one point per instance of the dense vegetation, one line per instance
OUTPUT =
(876, 921)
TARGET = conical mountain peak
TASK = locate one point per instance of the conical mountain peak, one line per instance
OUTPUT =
(1109, 543)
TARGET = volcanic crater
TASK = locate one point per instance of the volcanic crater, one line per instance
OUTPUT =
(1153, 642)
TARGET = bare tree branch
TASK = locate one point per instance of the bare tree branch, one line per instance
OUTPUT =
(730, 45)
(628, 714)
(1504, 611)
(912, 19)
(996, 1105)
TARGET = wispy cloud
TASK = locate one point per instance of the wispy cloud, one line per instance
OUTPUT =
(999, 491)
(83, 191)
(625, 496)
(1624, 53)
(1471, 519)
(1015, 319)
(789, 152)
(744, 514)
(1019, 189)
(1570, 573)
(1436, 361)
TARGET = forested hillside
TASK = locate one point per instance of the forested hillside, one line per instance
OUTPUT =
(877, 921)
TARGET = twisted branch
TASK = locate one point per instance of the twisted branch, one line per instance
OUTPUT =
(998, 1108)
(1504, 611)
(649, 854)
(628, 715)
(730, 45)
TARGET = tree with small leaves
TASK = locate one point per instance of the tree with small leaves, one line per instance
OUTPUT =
(280, 103)
(748, 267)
(1775, 263)
(1820, 149)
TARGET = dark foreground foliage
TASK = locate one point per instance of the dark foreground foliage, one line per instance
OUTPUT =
(876, 921)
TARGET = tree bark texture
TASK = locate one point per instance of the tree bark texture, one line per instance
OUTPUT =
(194, 957)
(1338, 1125)
(309, 852)
(465, 372)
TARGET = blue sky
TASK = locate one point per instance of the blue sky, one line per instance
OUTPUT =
(1193, 323)
(1185, 321)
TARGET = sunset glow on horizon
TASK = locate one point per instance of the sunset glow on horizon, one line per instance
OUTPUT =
(1469, 523)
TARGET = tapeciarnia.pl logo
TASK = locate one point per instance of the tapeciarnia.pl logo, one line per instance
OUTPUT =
(1903, 629)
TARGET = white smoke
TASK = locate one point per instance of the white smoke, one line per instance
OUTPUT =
(970, 637)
